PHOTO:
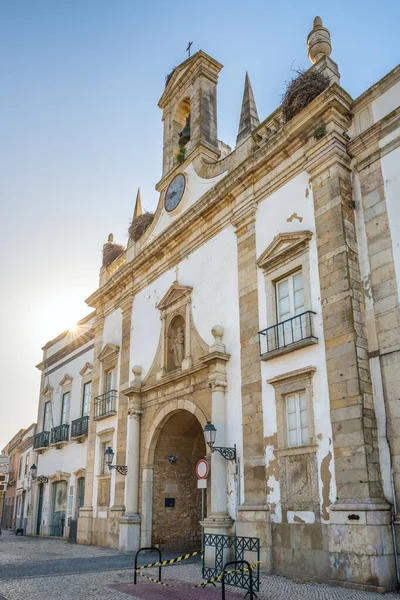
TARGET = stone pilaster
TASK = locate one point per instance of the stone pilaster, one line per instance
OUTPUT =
(359, 540)
(218, 521)
(253, 515)
(84, 535)
(129, 530)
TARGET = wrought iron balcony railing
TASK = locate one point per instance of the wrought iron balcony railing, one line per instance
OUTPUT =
(296, 332)
(41, 440)
(105, 404)
(79, 427)
(60, 434)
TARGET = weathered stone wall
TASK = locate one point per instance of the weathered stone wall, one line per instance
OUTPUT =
(178, 527)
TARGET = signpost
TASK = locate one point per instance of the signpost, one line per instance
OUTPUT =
(202, 470)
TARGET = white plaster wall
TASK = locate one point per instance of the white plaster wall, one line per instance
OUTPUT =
(386, 103)
(72, 369)
(212, 272)
(272, 218)
(196, 187)
(391, 175)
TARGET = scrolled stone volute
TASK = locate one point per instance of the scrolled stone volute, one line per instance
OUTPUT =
(318, 41)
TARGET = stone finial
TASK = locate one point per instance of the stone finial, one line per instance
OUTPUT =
(138, 205)
(248, 115)
(218, 332)
(110, 238)
(318, 41)
(137, 371)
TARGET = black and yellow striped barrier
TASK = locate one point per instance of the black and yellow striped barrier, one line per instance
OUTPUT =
(155, 580)
(170, 561)
(219, 577)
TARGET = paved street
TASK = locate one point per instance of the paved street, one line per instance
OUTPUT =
(33, 568)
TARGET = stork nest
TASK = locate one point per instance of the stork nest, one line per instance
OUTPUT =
(139, 225)
(111, 252)
(301, 90)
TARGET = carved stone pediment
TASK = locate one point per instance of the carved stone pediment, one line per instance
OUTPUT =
(86, 369)
(109, 351)
(65, 380)
(283, 249)
(46, 391)
(176, 294)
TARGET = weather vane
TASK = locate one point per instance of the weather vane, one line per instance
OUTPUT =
(188, 48)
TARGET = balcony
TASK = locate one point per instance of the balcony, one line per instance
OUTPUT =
(41, 440)
(59, 434)
(79, 427)
(105, 405)
(287, 336)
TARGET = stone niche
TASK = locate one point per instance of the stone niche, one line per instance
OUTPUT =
(180, 345)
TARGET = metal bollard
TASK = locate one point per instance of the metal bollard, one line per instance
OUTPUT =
(159, 560)
(239, 562)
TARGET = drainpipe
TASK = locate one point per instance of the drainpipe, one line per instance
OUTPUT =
(386, 463)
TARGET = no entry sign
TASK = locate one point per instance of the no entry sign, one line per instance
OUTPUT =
(202, 469)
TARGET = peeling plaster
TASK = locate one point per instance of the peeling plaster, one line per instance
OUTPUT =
(326, 477)
(294, 216)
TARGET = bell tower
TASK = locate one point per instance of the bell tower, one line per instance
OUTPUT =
(189, 105)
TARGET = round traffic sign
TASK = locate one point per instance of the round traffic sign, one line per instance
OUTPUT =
(202, 469)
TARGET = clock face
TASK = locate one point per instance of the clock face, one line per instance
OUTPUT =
(175, 192)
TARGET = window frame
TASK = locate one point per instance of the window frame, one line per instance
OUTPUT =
(297, 397)
(47, 407)
(284, 385)
(64, 394)
(84, 385)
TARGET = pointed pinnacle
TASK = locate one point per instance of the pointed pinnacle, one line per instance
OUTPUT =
(248, 115)
(138, 205)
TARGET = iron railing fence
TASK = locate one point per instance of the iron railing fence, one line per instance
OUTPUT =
(105, 403)
(60, 434)
(224, 548)
(79, 427)
(288, 332)
(41, 440)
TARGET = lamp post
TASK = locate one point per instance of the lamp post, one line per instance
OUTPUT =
(209, 436)
(109, 457)
(34, 477)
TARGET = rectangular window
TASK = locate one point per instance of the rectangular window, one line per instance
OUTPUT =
(47, 417)
(65, 408)
(26, 464)
(87, 390)
(289, 297)
(110, 380)
(21, 462)
(104, 470)
(297, 419)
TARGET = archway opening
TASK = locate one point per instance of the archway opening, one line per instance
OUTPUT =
(177, 502)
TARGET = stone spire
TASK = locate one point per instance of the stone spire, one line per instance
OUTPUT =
(318, 41)
(138, 205)
(248, 116)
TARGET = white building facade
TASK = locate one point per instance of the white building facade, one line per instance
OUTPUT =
(60, 444)
(261, 298)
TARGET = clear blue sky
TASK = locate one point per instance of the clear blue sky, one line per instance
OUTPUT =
(80, 130)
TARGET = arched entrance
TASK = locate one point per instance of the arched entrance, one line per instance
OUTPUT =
(177, 503)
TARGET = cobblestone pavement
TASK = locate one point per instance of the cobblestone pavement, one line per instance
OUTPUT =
(33, 568)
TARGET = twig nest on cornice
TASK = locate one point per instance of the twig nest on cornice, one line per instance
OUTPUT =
(302, 90)
(111, 251)
(139, 225)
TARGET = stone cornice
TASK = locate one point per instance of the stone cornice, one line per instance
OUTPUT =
(66, 350)
(285, 147)
(379, 88)
(365, 147)
(166, 380)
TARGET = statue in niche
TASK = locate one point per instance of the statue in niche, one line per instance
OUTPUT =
(176, 343)
(178, 348)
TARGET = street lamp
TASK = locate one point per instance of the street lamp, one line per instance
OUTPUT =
(34, 477)
(209, 435)
(109, 457)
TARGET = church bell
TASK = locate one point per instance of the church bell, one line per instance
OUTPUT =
(184, 135)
